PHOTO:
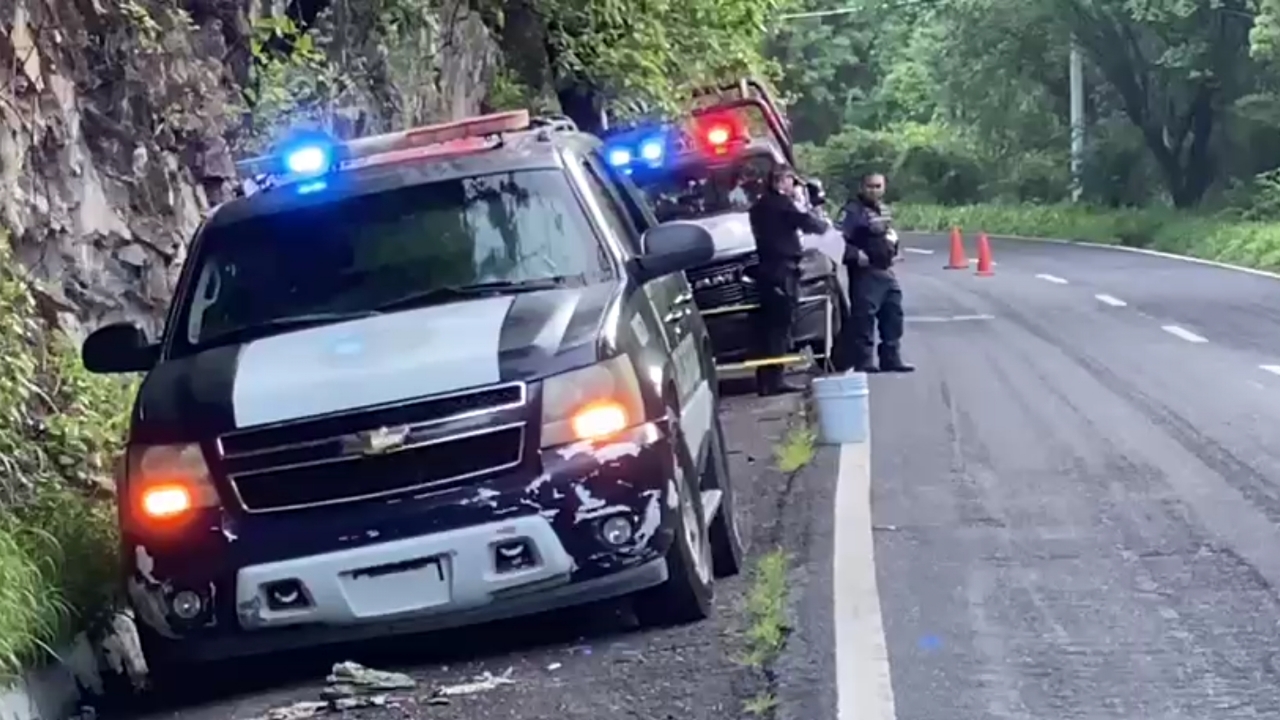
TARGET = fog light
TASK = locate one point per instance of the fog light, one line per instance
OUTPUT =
(512, 555)
(286, 595)
(187, 605)
(617, 530)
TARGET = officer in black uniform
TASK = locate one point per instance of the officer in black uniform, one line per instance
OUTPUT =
(776, 223)
(875, 297)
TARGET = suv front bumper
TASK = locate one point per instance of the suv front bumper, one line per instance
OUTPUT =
(533, 545)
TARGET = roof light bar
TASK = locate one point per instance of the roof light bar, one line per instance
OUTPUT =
(313, 154)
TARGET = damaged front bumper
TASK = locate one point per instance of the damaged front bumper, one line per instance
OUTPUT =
(593, 522)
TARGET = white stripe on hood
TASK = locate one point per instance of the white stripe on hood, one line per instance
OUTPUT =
(375, 360)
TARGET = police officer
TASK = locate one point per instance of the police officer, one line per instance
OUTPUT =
(875, 298)
(776, 223)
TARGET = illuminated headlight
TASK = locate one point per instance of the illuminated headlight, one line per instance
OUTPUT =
(591, 403)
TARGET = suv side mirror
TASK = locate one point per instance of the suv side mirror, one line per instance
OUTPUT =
(118, 348)
(673, 247)
(817, 193)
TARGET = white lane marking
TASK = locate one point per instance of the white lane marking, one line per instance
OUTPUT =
(942, 319)
(1052, 278)
(864, 689)
(1183, 333)
(1273, 369)
(918, 251)
(1112, 301)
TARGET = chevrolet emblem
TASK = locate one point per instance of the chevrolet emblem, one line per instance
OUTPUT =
(377, 442)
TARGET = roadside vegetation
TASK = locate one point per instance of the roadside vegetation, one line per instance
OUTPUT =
(60, 433)
(965, 105)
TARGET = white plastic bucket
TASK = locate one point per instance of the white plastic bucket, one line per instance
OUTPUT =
(844, 408)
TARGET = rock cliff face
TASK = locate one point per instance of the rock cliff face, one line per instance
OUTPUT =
(114, 124)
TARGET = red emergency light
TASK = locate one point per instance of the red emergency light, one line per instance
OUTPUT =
(718, 134)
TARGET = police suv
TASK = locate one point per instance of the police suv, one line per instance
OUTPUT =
(420, 380)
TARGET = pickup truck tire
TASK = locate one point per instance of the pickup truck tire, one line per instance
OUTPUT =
(724, 531)
(686, 595)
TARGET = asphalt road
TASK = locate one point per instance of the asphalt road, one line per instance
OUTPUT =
(592, 663)
(1077, 497)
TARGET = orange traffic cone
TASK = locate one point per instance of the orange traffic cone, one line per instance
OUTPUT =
(958, 260)
(984, 256)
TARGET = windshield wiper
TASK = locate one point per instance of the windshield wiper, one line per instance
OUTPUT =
(287, 322)
(454, 292)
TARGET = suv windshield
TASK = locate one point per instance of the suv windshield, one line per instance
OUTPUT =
(697, 190)
(427, 243)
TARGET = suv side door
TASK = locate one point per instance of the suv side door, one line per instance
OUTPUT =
(672, 299)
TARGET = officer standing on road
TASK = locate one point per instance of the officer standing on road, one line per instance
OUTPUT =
(776, 223)
(875, 297)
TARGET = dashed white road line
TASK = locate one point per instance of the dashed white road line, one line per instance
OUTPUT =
(1183, 333)
(1273, 369)
(864, 690)
(918, 251)
(941, 318)
(1112, 301)
(1052, 278)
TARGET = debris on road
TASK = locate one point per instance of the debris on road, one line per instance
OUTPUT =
(349, 686)
(349, 679)
(481, 683)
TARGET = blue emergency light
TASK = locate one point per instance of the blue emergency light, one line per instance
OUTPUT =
(309, 155)
(646, 147)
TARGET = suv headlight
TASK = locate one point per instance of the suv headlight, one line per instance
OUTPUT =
(166, 484)
(591, 403)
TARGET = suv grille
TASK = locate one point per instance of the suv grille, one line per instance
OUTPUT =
(726, 282)
(329, 459)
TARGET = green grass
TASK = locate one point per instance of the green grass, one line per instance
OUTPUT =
(795, 449)
(60, 432)
(761, 705)
(767, 609)
(1211, 237)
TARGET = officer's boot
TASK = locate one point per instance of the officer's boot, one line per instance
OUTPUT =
(891, 360)
(769, 381)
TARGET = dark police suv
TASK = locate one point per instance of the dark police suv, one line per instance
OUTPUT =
(421, 380)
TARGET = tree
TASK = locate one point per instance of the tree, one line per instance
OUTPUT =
(1176, 66)
(655, 49)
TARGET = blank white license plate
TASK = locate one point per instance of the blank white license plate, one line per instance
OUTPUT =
(398, 588)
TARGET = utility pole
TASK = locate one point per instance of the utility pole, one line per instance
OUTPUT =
(1077, 121)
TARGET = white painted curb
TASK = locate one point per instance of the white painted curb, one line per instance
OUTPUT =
(53, 692)
(1125, 248)
(56, 691)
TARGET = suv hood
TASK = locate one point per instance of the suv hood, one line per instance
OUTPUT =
(732, 235)
(381, 359)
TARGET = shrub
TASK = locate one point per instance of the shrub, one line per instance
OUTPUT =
(60, 431)
(1213, 237)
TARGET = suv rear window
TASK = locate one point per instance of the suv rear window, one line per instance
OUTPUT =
(357, 254)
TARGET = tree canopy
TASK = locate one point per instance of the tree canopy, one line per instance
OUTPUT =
(1181, 95)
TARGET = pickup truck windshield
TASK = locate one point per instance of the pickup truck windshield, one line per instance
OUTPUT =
(384, 252)
(697, 190)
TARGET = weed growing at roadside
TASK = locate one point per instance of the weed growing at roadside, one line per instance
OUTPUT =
(60, 432)
(1222, 237)
(767, 609)
(761, 705)
(795, 449)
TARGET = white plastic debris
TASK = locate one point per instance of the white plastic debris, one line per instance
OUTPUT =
(349, 686)
(481, 683)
